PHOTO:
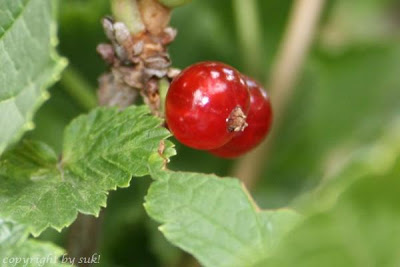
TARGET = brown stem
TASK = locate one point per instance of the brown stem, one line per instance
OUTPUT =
(288, 64)
(83, 237)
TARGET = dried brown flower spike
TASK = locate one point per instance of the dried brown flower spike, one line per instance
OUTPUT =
(137, 60)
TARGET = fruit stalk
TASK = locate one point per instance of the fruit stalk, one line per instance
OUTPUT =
(249, 32)
(78, 88)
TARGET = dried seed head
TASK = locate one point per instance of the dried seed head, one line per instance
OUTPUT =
(138, 61)
(168, 35)
(155, 73)
(108, 26)
(137, 48)
(157, 62)
(113, 93)
(130, 76)
(173, 72)
(121, 53)
(152, 96)
(106, 51)
(121, 33)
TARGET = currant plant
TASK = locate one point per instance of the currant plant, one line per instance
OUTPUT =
(349, 219)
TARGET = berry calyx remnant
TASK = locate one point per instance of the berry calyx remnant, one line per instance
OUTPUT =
(259, 120)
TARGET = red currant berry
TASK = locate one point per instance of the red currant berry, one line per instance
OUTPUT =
(259, 119)
(206, 105)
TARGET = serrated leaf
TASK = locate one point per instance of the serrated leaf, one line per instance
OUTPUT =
(17, 250)
(214, 219)
(102, 151)
(28, 63)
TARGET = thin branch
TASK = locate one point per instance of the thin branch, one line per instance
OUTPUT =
(289, 62)
(248, 28)
(83, 237)
(78, 88)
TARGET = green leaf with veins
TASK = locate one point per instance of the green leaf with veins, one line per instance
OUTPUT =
(28, 63)
(15, 245)
(351, 220)
(102, 151)
(214, 219)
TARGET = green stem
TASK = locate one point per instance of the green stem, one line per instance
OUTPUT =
(248, 27)
(79, 89)
(163, 89)
(127, 11)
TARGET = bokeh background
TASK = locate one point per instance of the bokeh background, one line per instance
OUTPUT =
(347, 92)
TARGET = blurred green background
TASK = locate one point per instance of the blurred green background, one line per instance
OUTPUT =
(349, 89)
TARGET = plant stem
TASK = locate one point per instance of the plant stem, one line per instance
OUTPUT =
(78, 88)
(83, 237)
(288, 65)
(248, 28)
(163, 89)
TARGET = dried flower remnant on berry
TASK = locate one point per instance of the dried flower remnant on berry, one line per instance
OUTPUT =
(237, 120)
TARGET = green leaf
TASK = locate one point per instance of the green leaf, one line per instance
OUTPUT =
(214, 219)
(28, 63)
(102, 151)
(352, 219)
(17, 250)
(362, 229)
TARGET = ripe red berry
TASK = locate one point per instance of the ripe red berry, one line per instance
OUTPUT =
(206, 105)
(259, 119)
